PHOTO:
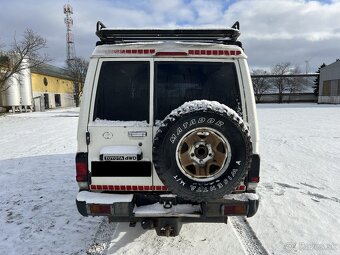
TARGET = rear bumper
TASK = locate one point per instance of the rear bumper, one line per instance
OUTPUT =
(123, 208)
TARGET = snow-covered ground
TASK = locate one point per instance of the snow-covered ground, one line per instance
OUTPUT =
(299, 190)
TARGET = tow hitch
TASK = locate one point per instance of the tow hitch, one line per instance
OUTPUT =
(163, 226)
(168, 226)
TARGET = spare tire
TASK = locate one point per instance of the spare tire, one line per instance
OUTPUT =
(202, 150)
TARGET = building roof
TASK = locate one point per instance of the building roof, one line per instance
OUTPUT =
(51, 70)
(333, 65)
(330, 72)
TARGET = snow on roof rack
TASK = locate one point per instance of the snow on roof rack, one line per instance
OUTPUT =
(117, 35)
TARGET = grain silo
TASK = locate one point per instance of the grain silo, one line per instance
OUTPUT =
(25, 85)
(10, 98)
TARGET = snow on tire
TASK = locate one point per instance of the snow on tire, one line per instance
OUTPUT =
(202, 150)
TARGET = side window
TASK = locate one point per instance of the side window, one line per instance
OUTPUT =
(326, 89)
(123, 91)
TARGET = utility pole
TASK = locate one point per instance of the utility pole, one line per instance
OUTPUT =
(307, 66)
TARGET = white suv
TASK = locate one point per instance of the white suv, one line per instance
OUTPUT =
(167, 129)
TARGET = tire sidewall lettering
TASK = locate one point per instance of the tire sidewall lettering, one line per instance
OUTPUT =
(181, 184)
(191, 123)
(231, 173)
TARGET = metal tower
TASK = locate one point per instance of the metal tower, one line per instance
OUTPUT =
(70, 48)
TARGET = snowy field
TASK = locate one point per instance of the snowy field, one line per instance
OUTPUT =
(299, 190)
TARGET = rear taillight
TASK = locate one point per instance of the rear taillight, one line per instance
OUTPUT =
(81, 167)
(252, 184)
(255, 179)
(81, 172)
(240, 188)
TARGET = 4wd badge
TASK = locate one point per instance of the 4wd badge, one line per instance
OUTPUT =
(119, 157)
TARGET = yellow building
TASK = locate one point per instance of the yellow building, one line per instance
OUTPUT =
(51, 88)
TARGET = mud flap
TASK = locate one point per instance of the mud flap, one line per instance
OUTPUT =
(81, 206)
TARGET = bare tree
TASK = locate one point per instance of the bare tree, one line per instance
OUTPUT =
(281, 83)
(260, 84)
(28, 48)
(77, 69)
(295, 84)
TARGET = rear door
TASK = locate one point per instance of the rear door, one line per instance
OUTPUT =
(179, 80)
(119, 126)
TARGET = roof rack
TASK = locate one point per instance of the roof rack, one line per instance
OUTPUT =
(114, 36)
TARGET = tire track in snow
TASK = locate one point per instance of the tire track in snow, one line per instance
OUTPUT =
(102, 238)
(247, 237)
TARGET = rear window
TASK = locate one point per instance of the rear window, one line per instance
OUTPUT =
(180, 82)
(123, 91)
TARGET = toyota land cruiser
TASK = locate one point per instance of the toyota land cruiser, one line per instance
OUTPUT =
(167, 130)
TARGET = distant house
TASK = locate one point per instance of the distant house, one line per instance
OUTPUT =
(329, 84)
(51, 87)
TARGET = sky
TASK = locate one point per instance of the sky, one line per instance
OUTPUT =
(304, 33)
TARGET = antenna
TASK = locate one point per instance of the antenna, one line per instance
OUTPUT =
(307, 65)
(70, 48)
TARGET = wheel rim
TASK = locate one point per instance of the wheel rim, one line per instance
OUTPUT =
(203, 154)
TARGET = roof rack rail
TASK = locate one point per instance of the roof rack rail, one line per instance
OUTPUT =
(116, 35)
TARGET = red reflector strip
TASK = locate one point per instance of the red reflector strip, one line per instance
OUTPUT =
(215, 52)
(133, 51)
(128, 188)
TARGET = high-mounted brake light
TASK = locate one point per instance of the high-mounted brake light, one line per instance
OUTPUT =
(171, 53)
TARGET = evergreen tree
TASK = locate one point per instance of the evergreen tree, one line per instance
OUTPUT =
(317, 80)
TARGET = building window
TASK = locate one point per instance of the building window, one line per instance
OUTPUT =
(45, 81)
(326, 88)
(331, 88)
